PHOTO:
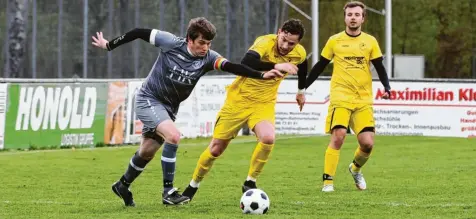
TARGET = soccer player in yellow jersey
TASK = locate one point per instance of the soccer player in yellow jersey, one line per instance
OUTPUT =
(253, 102)
(351, 92)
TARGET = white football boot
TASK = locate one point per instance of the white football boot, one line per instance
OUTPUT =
(328, 188)
(358, 179)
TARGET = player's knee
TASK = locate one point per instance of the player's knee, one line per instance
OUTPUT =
(147, 154)
(216, 150)
(366, 139)
(217, 147)
(366, 145)
(173, 137)
(338, 137)
(337, 141)
(267, 139)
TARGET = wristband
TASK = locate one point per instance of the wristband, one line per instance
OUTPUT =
(301, 91)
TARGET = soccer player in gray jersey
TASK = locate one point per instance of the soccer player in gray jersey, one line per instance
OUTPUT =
(181, 63)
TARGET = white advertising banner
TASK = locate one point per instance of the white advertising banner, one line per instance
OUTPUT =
(426, 109)
(415, 108)
(312, 118)
(211, 94)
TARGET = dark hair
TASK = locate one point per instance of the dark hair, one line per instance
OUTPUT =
(354, 4)
(294, 26)
(201, 26)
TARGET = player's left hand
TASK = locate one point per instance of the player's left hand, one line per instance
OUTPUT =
(386, 95)
(301, 99)
(99, 41)
(272, 74)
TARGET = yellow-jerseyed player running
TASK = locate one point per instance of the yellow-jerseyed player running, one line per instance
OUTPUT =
(351, 92)
(253, 102)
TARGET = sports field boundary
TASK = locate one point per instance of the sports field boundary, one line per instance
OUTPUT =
(126, 146)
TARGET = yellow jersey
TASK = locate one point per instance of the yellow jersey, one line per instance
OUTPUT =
(351, 79)
(264, 91)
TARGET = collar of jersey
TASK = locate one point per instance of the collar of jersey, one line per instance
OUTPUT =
(348, 34)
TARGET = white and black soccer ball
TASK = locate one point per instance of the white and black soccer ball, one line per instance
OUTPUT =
(254, 201)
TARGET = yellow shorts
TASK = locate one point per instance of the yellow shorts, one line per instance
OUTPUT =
(232, 117)
(357, 116)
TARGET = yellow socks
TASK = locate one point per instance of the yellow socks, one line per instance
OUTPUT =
(360, 158)
(259, 159)
(204, 165)
(330, 165)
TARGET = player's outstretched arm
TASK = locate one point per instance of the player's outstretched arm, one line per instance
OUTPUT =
(253, 60)
(245, 71)
(137, 33)
(302, 73)
(316, 70)
(382, 75)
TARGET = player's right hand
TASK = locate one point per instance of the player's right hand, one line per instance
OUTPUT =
(286, 67)
(301, 100)
(272, 74)
(386, 95)
(100, 41)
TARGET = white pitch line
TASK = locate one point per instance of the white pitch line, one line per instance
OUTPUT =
(397, 204)
(241, 141)
(51, 202)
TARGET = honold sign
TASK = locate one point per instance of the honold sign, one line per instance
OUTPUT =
(55, 115)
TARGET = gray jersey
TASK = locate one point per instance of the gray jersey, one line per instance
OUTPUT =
(175, 72)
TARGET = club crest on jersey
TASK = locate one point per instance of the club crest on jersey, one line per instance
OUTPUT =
(196, 64)
(362, 46)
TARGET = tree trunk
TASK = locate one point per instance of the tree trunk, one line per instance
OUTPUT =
(17, 37)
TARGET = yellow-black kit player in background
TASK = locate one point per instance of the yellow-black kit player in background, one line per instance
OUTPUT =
(351, 97)
(253, 102)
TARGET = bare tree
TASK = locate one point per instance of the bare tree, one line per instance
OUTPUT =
(17, 37)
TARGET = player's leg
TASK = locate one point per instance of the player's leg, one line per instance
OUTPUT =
(150, 143)
(336, 124)
(227, 126)
(171, 135)
(262, 124)
(362, 123)
(205, 164)
(159, 121)
(136, 165)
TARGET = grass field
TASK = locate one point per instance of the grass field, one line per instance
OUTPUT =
(407, 177)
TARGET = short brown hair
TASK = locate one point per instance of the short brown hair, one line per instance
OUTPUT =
(354, 4)
(294, 27)
(201, 26)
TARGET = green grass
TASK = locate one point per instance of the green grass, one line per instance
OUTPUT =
(407, 177)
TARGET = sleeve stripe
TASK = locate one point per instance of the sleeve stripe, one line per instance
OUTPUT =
(152, 36)
(219, 63)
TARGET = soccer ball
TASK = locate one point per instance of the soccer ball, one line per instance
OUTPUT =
(254, 201)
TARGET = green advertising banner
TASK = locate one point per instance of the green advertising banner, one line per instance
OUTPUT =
(66, 114)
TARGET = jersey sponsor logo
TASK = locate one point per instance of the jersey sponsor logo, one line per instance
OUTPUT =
(180, 75)
(359, 60)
